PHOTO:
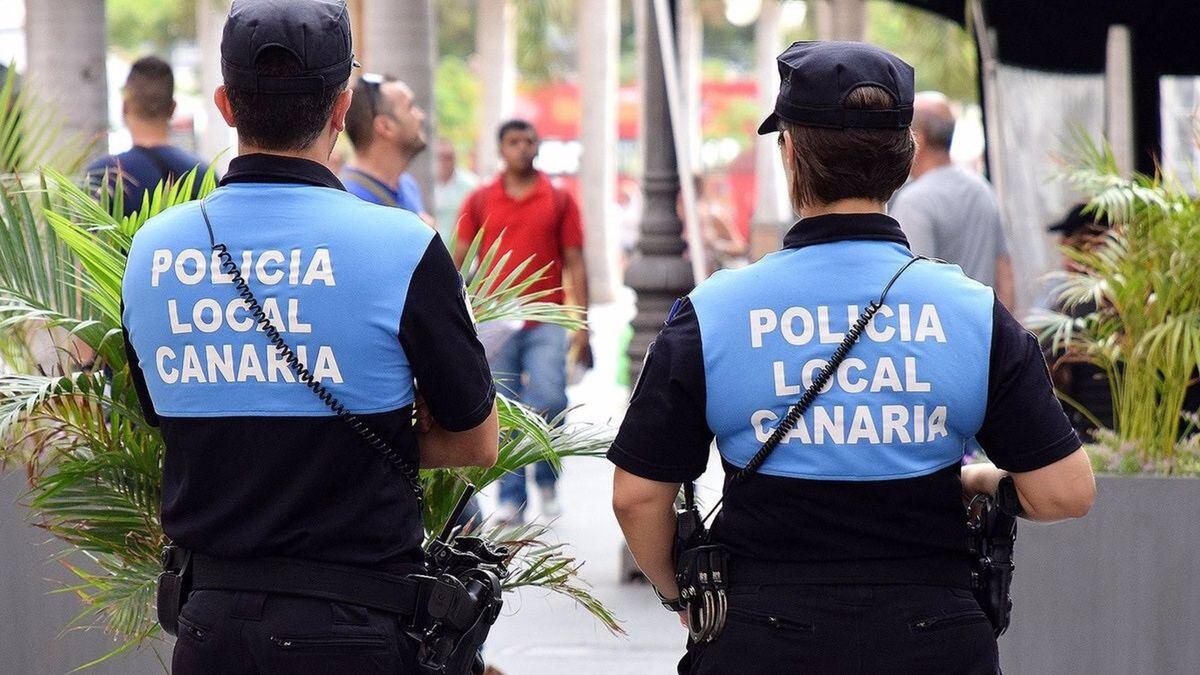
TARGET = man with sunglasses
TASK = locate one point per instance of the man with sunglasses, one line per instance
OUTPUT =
(386, 128)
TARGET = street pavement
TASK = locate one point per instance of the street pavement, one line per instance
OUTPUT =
(542, 633)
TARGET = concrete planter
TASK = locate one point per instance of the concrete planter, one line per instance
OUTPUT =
(32, 617)
(1117, 592)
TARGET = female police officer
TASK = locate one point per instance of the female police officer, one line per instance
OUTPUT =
(847, 547)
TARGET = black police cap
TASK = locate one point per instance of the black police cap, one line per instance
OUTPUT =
(816, 77)
(317, 32)
(1077, 219)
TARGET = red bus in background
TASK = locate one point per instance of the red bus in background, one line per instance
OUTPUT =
(728, 119)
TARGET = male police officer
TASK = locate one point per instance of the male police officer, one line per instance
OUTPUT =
(292, 518)
(847, 546)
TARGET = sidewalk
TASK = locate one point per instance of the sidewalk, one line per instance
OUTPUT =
(541, 633)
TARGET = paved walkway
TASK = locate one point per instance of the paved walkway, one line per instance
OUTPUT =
(542, 633)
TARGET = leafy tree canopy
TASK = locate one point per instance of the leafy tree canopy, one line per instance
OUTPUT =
(135, 26)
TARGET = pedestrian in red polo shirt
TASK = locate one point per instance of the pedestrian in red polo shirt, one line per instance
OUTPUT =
(533, 219)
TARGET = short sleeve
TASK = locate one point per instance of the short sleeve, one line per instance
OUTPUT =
(468, 224)
(1024, 427)
(571, 229)
(665, 435)
(918, 227)
(438, 336)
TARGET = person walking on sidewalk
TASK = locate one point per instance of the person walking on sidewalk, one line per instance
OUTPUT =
(532, 219)
(147, 108)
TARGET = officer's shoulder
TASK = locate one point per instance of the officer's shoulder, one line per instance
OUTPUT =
(947, 275)
(732, 281)
(383, 225)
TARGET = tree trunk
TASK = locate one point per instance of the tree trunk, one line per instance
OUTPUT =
(599, 32)
(772, 207)
(841, 19)
(217, 141)
(400, 37)
(495, 50)
(66, 48)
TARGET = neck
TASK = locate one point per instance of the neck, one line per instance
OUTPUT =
(855, 205)
(320, 155)
(927, 162)
(148, 133)
(519, 177)
(385, 165)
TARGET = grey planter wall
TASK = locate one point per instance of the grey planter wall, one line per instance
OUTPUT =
(1117, 592)
(32, 617)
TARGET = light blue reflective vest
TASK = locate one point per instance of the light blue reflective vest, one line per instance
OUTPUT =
(335, 293)
(908, 397)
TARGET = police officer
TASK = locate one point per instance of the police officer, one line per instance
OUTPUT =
(298, 528)
(847, 546)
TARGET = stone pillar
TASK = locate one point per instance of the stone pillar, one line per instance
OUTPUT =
(400, 37)
(66, 48)
(495, 52)
(658, 272)
(772, 206)
(599, 35)
(215, 138)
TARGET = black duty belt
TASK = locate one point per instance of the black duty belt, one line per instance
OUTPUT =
(325, 581)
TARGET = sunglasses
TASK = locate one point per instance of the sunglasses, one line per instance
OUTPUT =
(373, 82)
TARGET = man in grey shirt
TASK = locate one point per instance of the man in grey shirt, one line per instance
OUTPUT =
(949, 212)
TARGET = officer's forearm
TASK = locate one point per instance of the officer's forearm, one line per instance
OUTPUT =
(645, 510)
(474, 447)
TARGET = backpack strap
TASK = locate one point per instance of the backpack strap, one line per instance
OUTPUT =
(371, 185)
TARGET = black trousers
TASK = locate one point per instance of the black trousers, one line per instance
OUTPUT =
(848, 629)
(243, 633)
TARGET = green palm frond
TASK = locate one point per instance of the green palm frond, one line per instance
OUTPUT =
(538, 564)
(496, 296)
(31, 134)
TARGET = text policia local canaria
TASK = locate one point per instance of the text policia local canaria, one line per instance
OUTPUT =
(258, 361)
(848, 425)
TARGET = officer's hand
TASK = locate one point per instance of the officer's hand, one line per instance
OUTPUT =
(980, 479)
(422, 421)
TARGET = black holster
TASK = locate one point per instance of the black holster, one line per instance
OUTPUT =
(992, 537)
(174, 585)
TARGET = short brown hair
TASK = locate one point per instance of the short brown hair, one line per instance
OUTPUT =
(150, 88)
(368, 102)
(834, 164)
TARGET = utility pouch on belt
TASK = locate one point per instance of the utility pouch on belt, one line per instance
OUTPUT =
(701, 566)
(174, 584)
(992, 535)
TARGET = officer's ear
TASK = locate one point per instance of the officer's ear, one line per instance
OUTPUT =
(341, 105)
(787, 151)
(221, 99)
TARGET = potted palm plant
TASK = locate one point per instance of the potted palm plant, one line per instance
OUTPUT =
(1114, 592)
(93, 464)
